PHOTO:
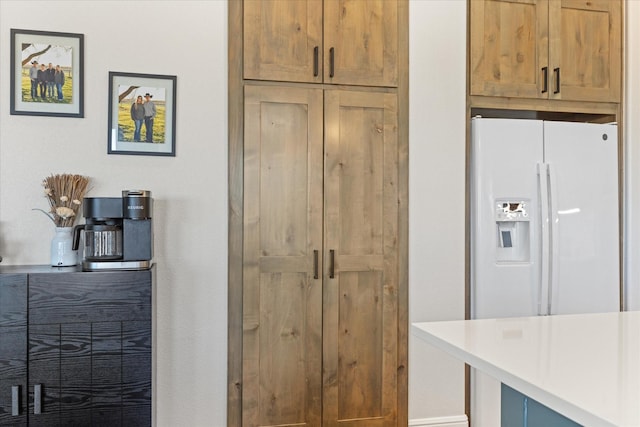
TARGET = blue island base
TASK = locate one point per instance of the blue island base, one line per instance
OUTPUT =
(518, 410)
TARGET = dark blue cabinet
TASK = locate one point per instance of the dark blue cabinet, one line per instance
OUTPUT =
(518, 410)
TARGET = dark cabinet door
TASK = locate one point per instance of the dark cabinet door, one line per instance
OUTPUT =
(44, 375)
(90, 349)
(13, 350)
(136, 373)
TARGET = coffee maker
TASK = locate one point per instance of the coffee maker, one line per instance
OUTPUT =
(118, 232)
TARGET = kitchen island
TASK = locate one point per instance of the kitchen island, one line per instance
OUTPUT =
(584, 367)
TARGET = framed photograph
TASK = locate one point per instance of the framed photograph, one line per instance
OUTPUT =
(47, 73)
(142, 114)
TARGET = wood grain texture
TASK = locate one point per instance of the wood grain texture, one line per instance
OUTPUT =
(361, 26)
(44, 369)
(13, 300)
(279, 40)
(577, 42)
(508, 47)
(89, 297)
(13, 372)
(282, 302)
(136, 368)
(235, 213)
(364, 36)
(360, 329)
(544, 105)
(586, 47)
(403, 214)
(88, 345)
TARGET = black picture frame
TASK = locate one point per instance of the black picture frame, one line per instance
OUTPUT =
(126, 134)
(61, 52)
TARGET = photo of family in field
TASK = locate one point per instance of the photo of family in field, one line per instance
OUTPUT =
(47, 74)
(141, 114)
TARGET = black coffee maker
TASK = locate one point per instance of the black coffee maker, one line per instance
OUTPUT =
(118, 233)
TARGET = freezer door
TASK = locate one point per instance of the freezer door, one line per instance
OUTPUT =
(585, 267)
(505, 245)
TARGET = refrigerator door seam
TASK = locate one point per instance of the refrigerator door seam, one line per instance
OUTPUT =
(543, 239)
(553, 235)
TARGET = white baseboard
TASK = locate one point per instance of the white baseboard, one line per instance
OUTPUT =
(454, 421)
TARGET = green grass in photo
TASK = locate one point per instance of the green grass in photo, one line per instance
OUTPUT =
(126, 126)
(67, 91)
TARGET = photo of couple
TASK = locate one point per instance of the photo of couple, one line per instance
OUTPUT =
(141, 114)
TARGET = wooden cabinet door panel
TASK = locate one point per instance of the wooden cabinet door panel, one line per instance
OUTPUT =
(509, 47)
(106, 373)
(90, 348)
(74, 297)
(136, 373)
(13, 372)
(586, 49)
(13, 300)
(44, 370)
(360, 300)
(283, 40)
(364, 37)
(75, 374)
(282, 297)
(13, 347)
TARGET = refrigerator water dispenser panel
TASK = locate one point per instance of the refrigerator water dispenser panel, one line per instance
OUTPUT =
(512, 231)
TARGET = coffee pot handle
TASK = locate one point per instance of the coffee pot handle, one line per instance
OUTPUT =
(76, 236)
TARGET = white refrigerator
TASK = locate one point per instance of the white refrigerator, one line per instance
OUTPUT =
(544, 227)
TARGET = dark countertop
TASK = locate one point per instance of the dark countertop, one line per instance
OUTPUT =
(29, 269)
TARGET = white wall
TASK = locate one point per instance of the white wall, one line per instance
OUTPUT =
(182, 38)
(631, 135)
(437, 129)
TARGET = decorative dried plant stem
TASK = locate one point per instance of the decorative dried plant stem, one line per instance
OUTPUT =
(64, 193)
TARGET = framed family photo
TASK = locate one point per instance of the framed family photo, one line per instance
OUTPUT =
(47, 73)
(142, 114)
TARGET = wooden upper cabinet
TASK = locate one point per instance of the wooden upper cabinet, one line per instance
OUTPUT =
(361, 42)
(283, 41)
(508, 47)
(586, 49)
(546, 49)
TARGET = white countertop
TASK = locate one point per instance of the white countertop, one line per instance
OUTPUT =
(585, 366)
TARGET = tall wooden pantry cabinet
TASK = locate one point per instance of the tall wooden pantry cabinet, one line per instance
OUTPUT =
(318, 214)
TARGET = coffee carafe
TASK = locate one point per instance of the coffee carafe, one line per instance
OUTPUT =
(118, 232)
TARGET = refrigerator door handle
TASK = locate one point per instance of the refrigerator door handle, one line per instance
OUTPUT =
(543, 239)
(554, 224)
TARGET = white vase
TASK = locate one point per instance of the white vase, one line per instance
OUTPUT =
(61, 253)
